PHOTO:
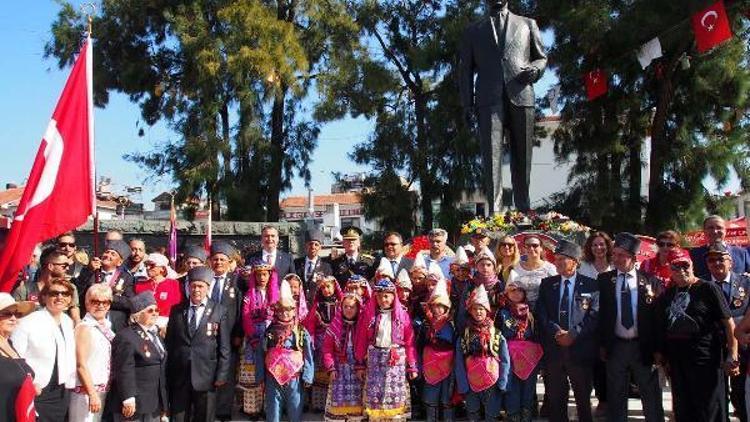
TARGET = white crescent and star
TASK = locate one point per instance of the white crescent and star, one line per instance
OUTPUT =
(53, 151)
(704, 20)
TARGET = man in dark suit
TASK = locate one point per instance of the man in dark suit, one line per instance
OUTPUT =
(270, 254)
(198, 342)
(567, 309)
(225, 290)
(307, 266)
(393, 251)
(505, 51)
(736, 291)
(110, 271)
(628, 332)
(715, 230)
(352, 262)
(139, 366)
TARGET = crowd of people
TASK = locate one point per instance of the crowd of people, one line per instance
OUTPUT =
(125, 336)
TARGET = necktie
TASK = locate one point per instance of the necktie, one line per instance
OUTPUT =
(157, 343)
(216, 290)
(394, 265)
(308, 272)
(564, 318)
(193, 323)
(626, 307)
(500, 29)
(351, 261)
(269, 259)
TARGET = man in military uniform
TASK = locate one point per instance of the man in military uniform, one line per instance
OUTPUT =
(352, 262)
(736, 288)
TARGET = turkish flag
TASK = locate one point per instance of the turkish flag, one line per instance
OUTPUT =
(59, 194)
(711, 26)
(596, 84)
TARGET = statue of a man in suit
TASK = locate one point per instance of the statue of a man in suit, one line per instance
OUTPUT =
(505, 51)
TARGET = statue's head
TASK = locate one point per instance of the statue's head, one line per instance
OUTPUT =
(496, 4)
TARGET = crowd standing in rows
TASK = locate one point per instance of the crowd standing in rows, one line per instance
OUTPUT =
(123, 336)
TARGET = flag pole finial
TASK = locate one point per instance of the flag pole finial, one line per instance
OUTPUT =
(89, 9)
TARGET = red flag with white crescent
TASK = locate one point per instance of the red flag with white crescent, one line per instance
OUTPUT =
(596, 84)
(59, 194)
(711, 26)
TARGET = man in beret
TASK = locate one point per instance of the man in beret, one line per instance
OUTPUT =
(270, 253)
(628, 331)
(199, 351)
(224, 290)
(193, 256)
(352, 262)
(715, 230)
(111, 272)
(568, 312)
(735, 290)
(311, 264)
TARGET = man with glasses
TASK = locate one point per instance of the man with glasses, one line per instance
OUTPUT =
(735, 289)
(54, 265)
(393, 251)
(78, 272)
(715, 230)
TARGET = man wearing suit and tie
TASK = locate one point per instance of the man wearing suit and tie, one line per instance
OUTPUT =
(505, 51)
(715, 230)
(393, 251)
(352, 261)
(311, 264)
(112, 272)
(567, 309)
(628, 332)
(270, 253)
(198, 341)
(224, 290)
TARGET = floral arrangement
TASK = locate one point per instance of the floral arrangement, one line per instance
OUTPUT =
(515, 221)
(418, 243)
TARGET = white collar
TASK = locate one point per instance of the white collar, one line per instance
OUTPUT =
(726, 279)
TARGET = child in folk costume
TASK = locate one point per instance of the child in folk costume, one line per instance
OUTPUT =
(298, 293)
(344, 401)
(482, 360)
(285, 359)
(360, 286)
(437, 340)
(257, 313)
(327, 296)
(460, 276)
(485, 274)
(385, 354)
(403, 287)
(517, 325)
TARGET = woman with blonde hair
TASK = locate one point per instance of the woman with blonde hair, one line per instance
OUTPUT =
(93, 351)
(508, 256)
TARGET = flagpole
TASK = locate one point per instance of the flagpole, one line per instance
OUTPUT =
(89, 9)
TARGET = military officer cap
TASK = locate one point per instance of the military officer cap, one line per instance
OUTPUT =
(718, 248)
(628, 241)
(351, 233)
(222, 248)
(197, 252)
(203, 274)
(314, 236)
(119, 246)
(569, 249)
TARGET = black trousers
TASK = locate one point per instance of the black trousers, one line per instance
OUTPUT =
(736, 390)
(561, 375)
(52, 404)
(194, 406)
(698, 392)
(516, 124)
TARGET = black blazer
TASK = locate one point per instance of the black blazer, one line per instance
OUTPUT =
(649, 289)
(584, 318)
(309, 286)
(138, 371)
(199, 360)
(284, 262)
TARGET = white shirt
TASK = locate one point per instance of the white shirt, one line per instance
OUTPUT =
(350, 258)
(271, 254)
(100, 351)
(383, 335)
(310, 266)
(632, 285)
(38, 339)
(198, 309)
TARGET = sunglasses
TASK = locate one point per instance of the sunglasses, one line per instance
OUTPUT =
(663, 244)
(66, 245)
(507, 245)
(151, 310)
(59, 293)
(95, 302)
(533, 245)
(8, 314)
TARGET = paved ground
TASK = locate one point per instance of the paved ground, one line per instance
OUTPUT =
(634, 406)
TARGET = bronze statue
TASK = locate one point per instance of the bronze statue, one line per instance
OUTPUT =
(505, 51)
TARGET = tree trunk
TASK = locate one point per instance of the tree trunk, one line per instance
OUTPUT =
(426, 183)
(634, 187)
(277, 156)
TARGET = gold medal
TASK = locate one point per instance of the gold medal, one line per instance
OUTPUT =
(147, 354)
(737, 303)
(508, 323)
(231, 292)
(209, 330)
(649, 299)
(118, 286)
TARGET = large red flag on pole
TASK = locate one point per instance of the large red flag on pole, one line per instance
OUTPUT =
(59, 194)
